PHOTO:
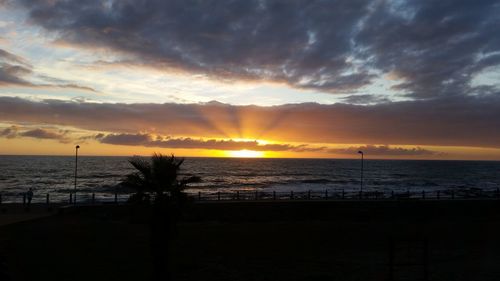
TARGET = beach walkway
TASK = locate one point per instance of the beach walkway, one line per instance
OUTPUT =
(14, 213)
(266, 240)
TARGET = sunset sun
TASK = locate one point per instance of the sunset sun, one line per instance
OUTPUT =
(245, 153)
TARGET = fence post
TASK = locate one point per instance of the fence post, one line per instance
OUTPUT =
(199, 195)
(218, 195)
(71, 198)
(47, 199)
(93, 198)
(326, 193)
(237, 195)
(24, 199)
(0, 198)
(343, 194)
(423, 194)
(274, 195)
(408, 193)
(291, 194)
(309, 195)
(116, 197)
(438, 194)
(392, 194)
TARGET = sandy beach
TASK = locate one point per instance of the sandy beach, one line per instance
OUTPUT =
(371, 240)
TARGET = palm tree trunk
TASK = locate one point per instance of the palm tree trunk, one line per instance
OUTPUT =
(160, 227)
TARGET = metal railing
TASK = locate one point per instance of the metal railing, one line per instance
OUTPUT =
(69, 198)
(342, 194)
(81, 198)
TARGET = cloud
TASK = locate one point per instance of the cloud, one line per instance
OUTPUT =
(8, 57)
(125, 139)
(384, 150)
(430, 49)
(364, 99)
(16, 71)
(37, 133)
(461, 121)
(191, 143)
(149, 140)
(304, 44)
(12, 69)
(42, 134)
(10, 132)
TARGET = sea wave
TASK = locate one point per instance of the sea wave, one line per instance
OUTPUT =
(55, 175)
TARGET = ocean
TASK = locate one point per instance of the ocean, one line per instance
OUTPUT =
(102, 175)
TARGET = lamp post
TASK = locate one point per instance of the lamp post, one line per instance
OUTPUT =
(76, 168)
(362, 158)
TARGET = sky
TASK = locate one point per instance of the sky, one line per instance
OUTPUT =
(395, 79)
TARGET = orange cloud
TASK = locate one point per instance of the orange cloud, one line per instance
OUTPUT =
(471, 121)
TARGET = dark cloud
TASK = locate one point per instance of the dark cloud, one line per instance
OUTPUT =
(384, 150)
(16, 71)
(41, 133)
(8, 57)
(12, 69)
(125, 139)
(61, 83)
(149, 140)
(306, 44)
(434, 48)
(464, 121)
(431, 48)
(10, 132)
(12, 75)
(190, 143)
(38, 133)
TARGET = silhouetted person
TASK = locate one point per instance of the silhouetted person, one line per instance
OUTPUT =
(29, 196)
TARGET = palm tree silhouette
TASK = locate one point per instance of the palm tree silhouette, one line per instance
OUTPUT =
(160, 177)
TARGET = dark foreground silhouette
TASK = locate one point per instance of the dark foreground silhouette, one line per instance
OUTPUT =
(159, 178)
(407, 240)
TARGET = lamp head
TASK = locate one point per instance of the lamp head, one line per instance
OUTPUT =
(360, 152)
(77, 146)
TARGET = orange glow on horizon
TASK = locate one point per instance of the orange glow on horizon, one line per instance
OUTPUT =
(30, 146)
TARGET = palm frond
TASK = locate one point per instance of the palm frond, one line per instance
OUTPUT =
(141, 165)
(159, 175)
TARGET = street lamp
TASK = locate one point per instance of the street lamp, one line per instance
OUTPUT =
(76, 167)
(362, 156)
